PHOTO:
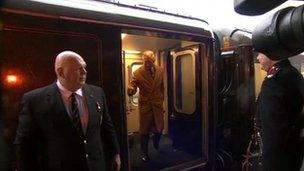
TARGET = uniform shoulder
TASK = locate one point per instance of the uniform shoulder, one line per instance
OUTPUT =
(289, 76)
(289, 73)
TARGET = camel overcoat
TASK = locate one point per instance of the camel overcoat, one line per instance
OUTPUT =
(150, 102)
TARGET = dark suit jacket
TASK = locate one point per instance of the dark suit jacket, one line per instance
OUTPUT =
(47, 140)
(279, 108)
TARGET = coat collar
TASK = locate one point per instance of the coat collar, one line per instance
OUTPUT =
(146, 74)
(67, 93)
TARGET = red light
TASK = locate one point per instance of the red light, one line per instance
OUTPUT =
(11, 79)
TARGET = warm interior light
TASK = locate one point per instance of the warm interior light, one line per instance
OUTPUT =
(123, 35)
(132, 51)
(11, 79)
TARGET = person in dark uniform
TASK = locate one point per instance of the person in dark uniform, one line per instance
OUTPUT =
(65, 125)
(279, 108)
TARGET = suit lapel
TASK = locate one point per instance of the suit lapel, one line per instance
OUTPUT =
(57, 106)
(91, 104)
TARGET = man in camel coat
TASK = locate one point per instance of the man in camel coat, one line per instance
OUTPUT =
(149, 79)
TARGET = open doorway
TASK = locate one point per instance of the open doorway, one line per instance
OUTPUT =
(178, 59)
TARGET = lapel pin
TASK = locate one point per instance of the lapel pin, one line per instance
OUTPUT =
(98, 105)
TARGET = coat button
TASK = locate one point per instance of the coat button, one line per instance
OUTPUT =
(85, 141)
(87, 156)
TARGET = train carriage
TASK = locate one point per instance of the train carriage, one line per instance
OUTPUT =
(111, 38)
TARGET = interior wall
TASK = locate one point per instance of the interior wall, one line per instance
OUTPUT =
(142, 43)
(187, 43)
(133, 115)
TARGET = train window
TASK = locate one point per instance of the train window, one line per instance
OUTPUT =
(184, 84)
(134, 98)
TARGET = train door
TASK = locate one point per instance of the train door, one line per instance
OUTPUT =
(181, 143)
(184, 99)
(131, 63)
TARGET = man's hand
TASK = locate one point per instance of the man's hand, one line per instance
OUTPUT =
(116, 163)
(131, 91)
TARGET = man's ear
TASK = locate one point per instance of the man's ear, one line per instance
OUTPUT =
(60, 72)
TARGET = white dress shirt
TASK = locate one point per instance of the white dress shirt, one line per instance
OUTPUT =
(81, 101)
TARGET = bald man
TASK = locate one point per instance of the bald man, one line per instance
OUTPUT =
(65, 126)
(149, 79)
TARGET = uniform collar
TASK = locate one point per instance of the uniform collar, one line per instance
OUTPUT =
(273, 70)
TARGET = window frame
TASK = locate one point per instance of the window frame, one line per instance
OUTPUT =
(175, 56)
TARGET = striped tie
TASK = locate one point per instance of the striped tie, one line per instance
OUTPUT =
(75, 115)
